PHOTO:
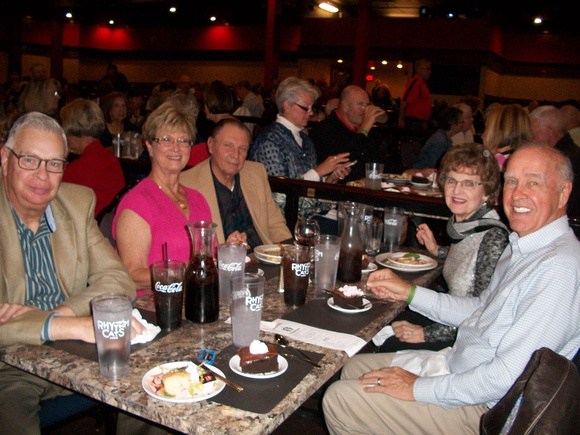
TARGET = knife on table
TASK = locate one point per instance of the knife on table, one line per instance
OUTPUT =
(220, 377)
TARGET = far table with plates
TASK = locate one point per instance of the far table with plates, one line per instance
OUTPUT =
(263, 404)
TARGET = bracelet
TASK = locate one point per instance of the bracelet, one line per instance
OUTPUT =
(411, 294)
(363, 131)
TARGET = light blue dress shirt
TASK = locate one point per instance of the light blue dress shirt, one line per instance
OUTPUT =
(533, 301)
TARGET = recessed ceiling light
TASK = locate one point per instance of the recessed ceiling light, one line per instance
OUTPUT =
(68, 15)
(538, 20)
(384, 62)
(111, 22)
(372, 67)
(172, 9)
(328, 7)
(400, 65)
(339, 60)
(212, 18)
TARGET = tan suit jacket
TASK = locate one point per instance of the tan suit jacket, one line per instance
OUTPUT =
(266, 215)
(85, 262)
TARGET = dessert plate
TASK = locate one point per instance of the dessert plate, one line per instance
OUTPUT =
(207, 391)
(367, 305)
(370, 268)
(269, 253)
(235, 366)
(389, 259)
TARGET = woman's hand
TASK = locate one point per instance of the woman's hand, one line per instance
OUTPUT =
(331, 163)
(386, 284)
(425, 237)
(408, 333)
(339, 173)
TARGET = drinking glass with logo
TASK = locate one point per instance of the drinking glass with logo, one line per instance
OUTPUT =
(393, 220)
(112, 323)
(168, 277)
(374, 175)
(231, 262)
(296, 266)
(247, 302)
(327, 249)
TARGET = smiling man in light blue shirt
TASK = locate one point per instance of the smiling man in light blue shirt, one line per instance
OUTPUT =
(532, 302)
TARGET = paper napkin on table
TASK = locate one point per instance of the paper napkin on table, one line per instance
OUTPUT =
(150, 330)
(382, 335)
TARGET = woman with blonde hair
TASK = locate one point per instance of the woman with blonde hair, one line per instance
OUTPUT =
(156, 211)
(40, 95)
(506, 127)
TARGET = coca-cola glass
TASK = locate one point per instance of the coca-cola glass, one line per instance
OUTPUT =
(231, 262)
(393, 220)
(168, 277)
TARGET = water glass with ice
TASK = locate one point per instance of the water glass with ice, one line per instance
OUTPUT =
(393, 220)
(247, 300)
(231, 262)
(112, 323)
(327, 254)
(374, 175)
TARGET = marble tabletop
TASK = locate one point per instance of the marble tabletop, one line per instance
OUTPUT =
(82, 375)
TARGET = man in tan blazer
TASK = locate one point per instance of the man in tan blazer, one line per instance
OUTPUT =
(53, 261)
(237, 191)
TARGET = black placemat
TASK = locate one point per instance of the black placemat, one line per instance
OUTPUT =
(318, 314)
(89, 350)
(260, 395)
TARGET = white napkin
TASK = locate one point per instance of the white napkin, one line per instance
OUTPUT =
(382, 335)
(423, 362)
(150, 330)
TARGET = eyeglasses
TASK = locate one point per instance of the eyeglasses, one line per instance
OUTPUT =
(466, 184)
(31, 163)
(169, 141)
(306, 109)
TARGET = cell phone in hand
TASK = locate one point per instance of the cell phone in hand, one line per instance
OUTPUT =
(351, 163)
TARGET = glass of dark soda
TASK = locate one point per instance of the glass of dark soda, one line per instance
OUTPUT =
(168, 277)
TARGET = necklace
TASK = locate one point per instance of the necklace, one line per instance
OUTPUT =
(178, 202)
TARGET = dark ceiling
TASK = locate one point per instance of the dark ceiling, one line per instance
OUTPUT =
(511, 15)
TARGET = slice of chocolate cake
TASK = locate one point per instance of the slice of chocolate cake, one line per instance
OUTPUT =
(348, 296)
(258, 357)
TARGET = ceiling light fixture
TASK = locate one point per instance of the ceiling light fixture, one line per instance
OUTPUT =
(68, 15)
(372, 67)
(400, 65)
(172, 9)
(384, 62)
(111, 22)
(538, 20)
(329, 7)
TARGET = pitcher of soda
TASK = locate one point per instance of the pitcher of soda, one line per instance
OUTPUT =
(201, 277)
(351, 247)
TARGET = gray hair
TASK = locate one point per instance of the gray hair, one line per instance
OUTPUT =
(549, 115)
(186, 101)
(564, 164)
(37, 121)
(463, 107)
(288, 90)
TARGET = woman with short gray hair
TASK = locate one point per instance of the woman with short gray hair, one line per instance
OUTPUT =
(285, 149)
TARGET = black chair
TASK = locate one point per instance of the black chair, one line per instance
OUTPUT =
(107, 214)
(62, 410)
(543, 400)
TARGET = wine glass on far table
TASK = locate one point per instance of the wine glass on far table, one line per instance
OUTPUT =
(306, 231)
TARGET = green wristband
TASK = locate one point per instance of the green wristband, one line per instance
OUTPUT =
(411, 294)
(363, 131)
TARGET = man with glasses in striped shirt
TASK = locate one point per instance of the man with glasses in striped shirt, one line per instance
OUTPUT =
(53, 261)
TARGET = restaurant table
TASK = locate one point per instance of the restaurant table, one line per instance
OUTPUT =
(73, 365)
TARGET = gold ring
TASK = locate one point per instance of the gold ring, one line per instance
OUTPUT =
(379, 382)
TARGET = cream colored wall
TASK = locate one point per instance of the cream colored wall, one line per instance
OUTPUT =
(199, 71)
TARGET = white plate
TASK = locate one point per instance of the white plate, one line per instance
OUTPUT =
(396, 178)
(367, 305)
(208, 391)
(386, 260)
(421, 186)
(235, 366)
(264, 253)
(370, 268)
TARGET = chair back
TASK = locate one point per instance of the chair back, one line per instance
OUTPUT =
(543, 400)
(107, 214)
